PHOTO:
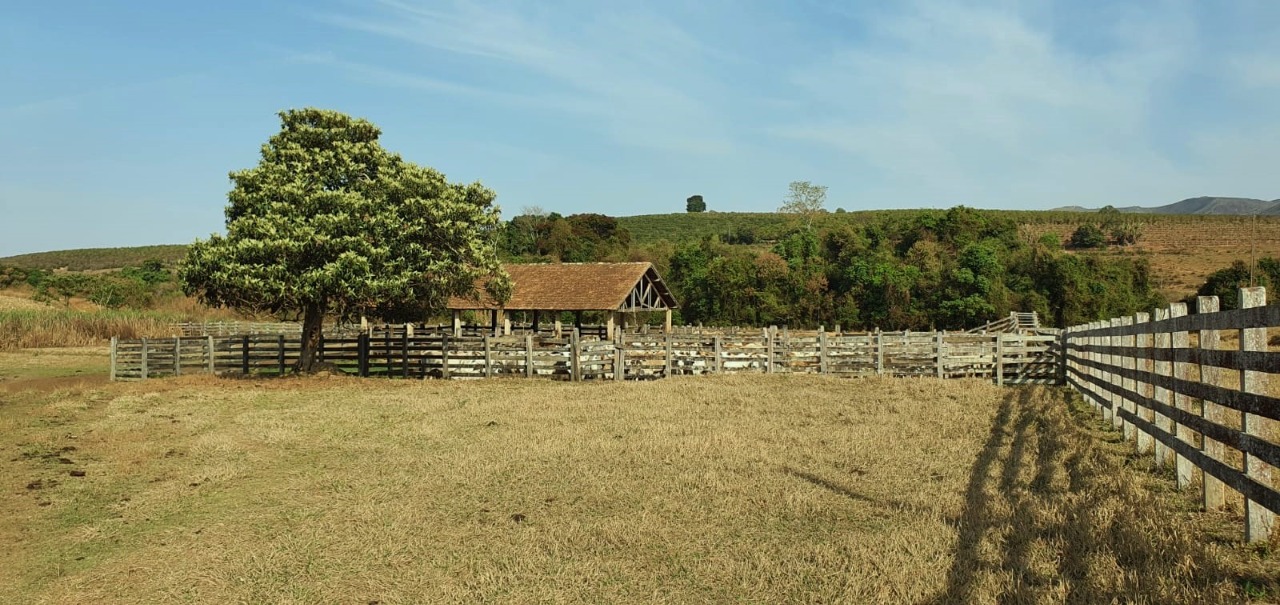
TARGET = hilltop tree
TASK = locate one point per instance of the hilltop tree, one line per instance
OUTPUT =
(330, 223)
(804, 198)
(695, 203)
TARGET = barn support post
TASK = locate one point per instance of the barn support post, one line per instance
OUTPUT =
(534, 324)
(506, 326)
(1258, 520)
(559, 330)
(1214, 491)
(667, 322)
(608, 327)
(114, 343)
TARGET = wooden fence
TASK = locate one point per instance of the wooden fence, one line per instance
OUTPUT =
(1005, 358)
(1173, 388)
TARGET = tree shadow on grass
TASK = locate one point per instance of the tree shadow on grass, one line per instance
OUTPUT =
(1052, 517)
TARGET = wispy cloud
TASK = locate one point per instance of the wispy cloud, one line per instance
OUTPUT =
(632, 73)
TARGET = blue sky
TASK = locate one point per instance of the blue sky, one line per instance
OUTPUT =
(119, 121)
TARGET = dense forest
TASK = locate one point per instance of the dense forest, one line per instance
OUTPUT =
(930, 269)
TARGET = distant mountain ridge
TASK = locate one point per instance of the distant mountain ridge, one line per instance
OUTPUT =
(1239, 206)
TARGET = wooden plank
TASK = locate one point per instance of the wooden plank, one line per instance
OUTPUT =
(1258, 361)
(1244, 318)
(1253, 403)
(1259, 493)
(1258, 520)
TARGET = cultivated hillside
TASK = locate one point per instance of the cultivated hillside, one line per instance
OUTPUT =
(1235, 206)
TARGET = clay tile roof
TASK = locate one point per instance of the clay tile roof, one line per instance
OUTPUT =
(569, 287)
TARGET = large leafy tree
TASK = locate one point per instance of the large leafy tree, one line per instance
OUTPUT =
(331, 224)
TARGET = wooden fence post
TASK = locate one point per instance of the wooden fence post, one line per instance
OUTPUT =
(1125, 362)
(280, 353)
(718, 365)
(941, 354)
(1180, 341)
(1258, 520)
(1062, 356)
(244, 355)
(575, 356)
(1142, 341)
(879, 340)
(488, 358)
(822, 351)
(114, 343)
(362, 354)
(528, 356)
(1113, 377)
(177, 355)
(1213, 490)
(444, 356)
(208, 343)
(404, 350)
(144, 359)
(670, 361)
(999, 359)
(769, 353)
(619, 362)
(1162, 395)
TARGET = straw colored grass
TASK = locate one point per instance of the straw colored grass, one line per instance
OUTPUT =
(763, 489)
(52, 327)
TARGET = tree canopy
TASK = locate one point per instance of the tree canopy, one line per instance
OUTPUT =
(330, 223)
(804, 198)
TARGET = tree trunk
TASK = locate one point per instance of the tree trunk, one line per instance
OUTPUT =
(312, 323)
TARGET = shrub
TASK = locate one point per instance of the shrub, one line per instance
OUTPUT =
(1088, 236)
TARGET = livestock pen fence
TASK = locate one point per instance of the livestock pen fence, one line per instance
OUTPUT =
(1005, 358)
(1181, 390)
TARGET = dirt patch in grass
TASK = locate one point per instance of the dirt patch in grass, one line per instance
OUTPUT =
(739, 488)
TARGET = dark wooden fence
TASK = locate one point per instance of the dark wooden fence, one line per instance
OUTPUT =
(1006, 358)
(1174, 388)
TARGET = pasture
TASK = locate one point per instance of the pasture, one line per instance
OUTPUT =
(714, 489)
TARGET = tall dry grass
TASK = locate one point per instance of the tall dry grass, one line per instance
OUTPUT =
(765, 489)
(52, 327)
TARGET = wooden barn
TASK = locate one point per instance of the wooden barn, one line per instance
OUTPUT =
(615, 289)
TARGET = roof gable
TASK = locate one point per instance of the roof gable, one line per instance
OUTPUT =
(577, 287)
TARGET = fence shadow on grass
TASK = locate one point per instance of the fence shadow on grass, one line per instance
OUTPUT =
(1052, 516)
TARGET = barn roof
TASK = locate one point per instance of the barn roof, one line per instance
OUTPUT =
(578, 287)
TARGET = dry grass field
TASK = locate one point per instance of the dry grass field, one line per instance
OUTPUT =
(727, 489)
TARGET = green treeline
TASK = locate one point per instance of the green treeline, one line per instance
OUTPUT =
(931, 269)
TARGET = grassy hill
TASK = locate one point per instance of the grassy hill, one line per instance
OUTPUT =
(93, 259)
